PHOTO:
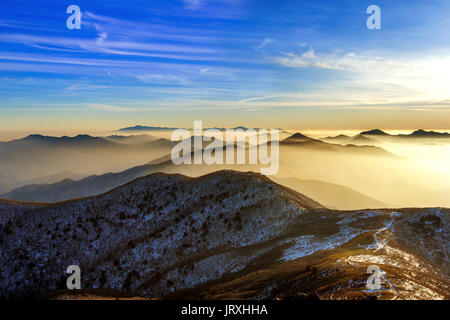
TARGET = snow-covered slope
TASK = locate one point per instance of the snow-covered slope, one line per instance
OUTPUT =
(133, 237)
(224, 235)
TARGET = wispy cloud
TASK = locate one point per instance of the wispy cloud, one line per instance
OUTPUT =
(217, 73)
(348, 62)
(108, 107)
(118, 108)
(122, 38)
(163, 78)
(244, 105)
(101, 44)
(148, 31)
(77, 87)
(264, 43)
(277, 97)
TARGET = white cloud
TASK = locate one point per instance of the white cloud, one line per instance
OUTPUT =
(424, 78)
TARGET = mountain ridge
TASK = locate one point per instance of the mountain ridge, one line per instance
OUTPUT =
(165, 236)
(154, 204)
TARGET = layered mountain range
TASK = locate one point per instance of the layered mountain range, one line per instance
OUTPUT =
(340, 176)
(377, 135)
(160, 231)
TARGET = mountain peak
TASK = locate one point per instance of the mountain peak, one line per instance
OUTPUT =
(422, 132)
(298, 136)
(375, 132)
(34, 136)
(145, 128)
(85, 138)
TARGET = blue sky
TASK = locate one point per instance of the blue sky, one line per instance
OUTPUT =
(291, 64)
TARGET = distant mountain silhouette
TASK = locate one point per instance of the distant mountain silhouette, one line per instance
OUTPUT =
(418, 133)
(433, 134)
(37, 140)
(145, 128)
(89, 186)
(150, 128)
(338, 137)
(297, 137)
(301, 141)
(39, 156)
(344, 139)
(54, 178)
(370, 137)
(362, 139)
(374, 132)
